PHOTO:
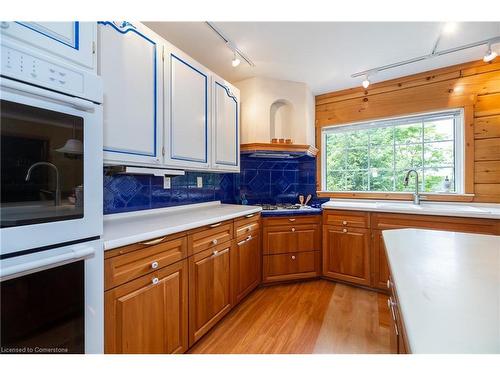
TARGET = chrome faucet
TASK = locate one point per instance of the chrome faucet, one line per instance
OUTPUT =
(416, 195)
(57, 194)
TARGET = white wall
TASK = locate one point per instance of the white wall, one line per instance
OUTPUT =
(258, 95)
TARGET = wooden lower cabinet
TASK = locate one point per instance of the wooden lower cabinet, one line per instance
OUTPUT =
(246, 266)
(149, 314)
(210, 294)
(380, 268)
(346, 254)
(291, 248)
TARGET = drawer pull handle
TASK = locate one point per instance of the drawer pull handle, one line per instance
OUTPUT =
(249, 216)
(344, 230)
(153, 242)
(215, 225)
(292, 220)
(388, 284)
(248, 238)
(293, 229)
(215, 242)
(293, 257)
(249, 229)
(344, 222)
(215, 252)
(154, 265)
(155, 281)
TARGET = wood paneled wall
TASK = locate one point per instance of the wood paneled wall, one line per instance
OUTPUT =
(473, 86)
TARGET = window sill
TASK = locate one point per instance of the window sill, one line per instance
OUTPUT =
(396, 196)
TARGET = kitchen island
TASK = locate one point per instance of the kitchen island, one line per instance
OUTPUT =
(445, 290)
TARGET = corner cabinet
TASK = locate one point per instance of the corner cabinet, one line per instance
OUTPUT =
(225, 125)
(129, 61)
(73, 41)
(187, 101)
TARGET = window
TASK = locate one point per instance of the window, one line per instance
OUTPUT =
(375, 156)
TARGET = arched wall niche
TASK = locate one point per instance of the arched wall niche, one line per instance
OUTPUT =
(281, 115)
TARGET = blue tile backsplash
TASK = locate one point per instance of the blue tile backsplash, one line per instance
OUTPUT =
(262, 180)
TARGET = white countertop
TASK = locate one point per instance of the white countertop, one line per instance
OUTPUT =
(448, 286)
(480, 210)
(131, 227)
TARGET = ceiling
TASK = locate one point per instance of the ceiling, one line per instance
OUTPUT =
(324, 54)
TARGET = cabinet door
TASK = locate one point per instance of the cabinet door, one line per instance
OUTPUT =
(380, 267)
(130, 65)
(149, 314)
(247, 266)
(209, 289)
(225, 126)
(72, 41)
(187, 107)
(346, 253)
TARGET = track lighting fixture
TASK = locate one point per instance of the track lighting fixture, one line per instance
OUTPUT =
(235, 61)
(490, 54)
(366, 82)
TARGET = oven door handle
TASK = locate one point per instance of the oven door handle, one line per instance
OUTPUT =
(49, 262)
(27, 90)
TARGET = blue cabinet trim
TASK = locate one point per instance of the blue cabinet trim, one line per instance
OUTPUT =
(76, 43)
(124, 28)
(172, 156)
(228, 93)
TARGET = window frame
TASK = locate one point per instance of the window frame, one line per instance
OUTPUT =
(459, 149)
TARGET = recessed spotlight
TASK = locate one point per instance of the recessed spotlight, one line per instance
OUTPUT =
(449, 27)
(490, 54)
(235, 61)
(366, 83)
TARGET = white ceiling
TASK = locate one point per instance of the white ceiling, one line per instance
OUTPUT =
(324, 54)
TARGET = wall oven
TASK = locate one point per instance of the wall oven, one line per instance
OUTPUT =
(51, 256)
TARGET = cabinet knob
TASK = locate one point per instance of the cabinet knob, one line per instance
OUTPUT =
(215, 252)
(388, 284)
(344, 222)
(155, 280)
(154, 265)
(215, 242)
(293, 257)
(291, 219)
(293, 229)
(344, 230)
(249, 229)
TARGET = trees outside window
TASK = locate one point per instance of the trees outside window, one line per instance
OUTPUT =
(375, 156)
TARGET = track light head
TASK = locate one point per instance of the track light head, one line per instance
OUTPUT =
(366, 83)
(490, 54)
(235, 62)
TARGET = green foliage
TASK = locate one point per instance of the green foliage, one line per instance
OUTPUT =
(378, 159)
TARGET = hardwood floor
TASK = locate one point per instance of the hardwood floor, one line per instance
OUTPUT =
(306, 317)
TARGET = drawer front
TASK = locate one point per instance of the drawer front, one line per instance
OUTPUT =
(291, 266)
(385, 221)
(246, 225)
(353, 219)
(131, 265)
(296, 220)
(209, 236)
(291, 238)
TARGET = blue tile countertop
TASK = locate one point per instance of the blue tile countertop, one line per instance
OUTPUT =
(292, 212)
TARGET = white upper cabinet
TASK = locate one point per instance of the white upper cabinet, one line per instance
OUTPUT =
(130, 63)
(187, 109)
(225, 125)
(72, 41)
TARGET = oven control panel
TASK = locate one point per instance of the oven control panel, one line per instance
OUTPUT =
(26, 67)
